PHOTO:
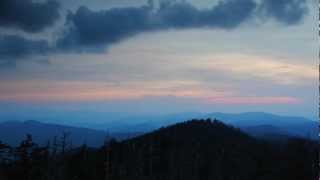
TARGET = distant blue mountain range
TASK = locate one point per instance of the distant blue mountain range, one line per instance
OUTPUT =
(258, 123)
(255, 123)
(12, 132)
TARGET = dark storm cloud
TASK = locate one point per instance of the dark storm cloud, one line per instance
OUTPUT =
(13, 47)
(97, 28)
(226, 14)
(90, 29)
(28, 15)
(285, 11)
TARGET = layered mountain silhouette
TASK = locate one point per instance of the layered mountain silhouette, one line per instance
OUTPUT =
(257, 124)
(266, 123)
(12, 132)
(199, 149)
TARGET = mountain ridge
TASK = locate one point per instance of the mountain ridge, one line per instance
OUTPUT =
(257, 124)
(12, 132)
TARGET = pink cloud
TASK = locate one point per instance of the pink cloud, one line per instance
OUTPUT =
(44, 91)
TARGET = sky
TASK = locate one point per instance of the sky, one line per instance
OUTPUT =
(70, 59)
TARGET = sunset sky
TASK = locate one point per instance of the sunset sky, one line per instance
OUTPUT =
(62, 57)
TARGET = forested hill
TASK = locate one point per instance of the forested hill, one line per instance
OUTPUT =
(205, 149)
(192, 150)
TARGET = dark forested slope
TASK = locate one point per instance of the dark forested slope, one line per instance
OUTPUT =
(193, 150)
(205, 149)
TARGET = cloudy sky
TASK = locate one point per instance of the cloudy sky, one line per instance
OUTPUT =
(62, 57)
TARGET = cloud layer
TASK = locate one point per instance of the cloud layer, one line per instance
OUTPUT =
(15, 47)
(28, 15)
(91, 29)
(37, 91)
(286, 11)
(88, 30)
